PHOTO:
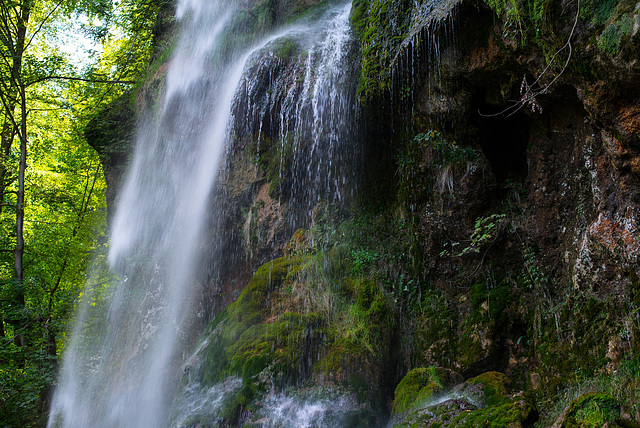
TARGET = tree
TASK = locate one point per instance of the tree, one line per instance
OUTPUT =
(51, 184)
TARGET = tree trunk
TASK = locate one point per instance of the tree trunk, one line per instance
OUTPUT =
(16, 48)
(19, 251)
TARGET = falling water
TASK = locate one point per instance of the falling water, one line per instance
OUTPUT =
(122, 365)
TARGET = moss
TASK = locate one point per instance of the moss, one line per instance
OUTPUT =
(382, 26)
(597, 12)
(578, 351)
(592, 410)
(489, 391)
(285, 48)
(236, 403)
(274, 159)
(278, 345)
(370, 320)
(240, 340)
(514, 412)
(495, 386)
(610, 39)
(433, 331)
(419, 385)
(358, 16)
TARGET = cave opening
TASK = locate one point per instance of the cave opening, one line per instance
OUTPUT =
(503, 139)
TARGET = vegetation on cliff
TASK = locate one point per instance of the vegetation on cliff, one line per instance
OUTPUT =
(491, 280)
(503, 245)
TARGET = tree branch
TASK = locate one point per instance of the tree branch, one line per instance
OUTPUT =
(81, 79)
(35, 33)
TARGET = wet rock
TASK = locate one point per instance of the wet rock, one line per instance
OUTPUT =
(481, 401)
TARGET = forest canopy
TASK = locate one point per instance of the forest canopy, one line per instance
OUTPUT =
(61, 63)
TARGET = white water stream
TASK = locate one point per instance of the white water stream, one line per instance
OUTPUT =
(122, 365)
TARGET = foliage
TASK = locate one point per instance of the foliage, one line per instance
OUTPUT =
(429, 163)
(53, 214)
(372, 244)
(534, 277)
(485, 231)
(618, 391)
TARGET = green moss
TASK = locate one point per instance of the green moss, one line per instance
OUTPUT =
(241, 342)
(494, 386)
(610, 39)
(433, 331)
(592, 410)
(275, 157)
(578, 351)
(286, 48)
(358, 16)
(278, 345)
(382, 26)
(597, 12)
(419, 385)
(234, 404)
(509, 413)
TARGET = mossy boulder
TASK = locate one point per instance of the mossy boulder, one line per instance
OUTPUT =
(250, 341)
(242, 340)
(595, 409)
(422, 385)
(483, 401)
(490, 391)
(516, 411)
(485, 390)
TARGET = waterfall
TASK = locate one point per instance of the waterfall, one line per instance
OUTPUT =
(122, 365)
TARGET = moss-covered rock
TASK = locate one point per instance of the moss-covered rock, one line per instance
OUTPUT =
(242, 341)
(483, 401)
(280, 337)
(485, 390)
(515, 411)
(421, 386)
(595, 409)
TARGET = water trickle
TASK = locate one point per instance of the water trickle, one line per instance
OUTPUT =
(122, 365)
(299, 100)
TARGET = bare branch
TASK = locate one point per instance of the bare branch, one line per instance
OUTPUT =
(528, 95)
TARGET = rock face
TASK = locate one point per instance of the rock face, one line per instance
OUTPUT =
(494, 227)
